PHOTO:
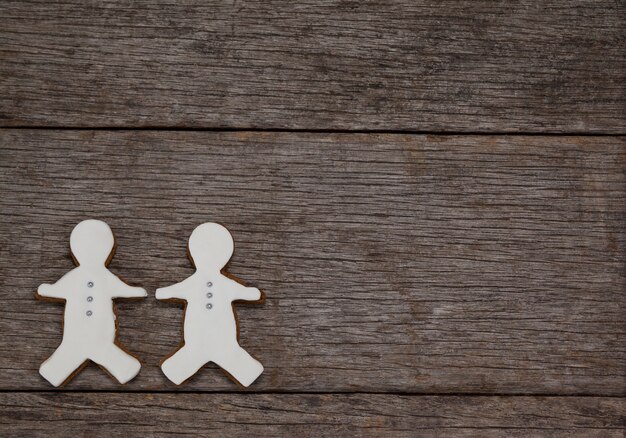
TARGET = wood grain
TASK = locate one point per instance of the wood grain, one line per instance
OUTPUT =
(418, 264)
(112, 414)
(480, 66)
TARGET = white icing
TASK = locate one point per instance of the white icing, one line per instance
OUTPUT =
(89, 324)
(210, 328)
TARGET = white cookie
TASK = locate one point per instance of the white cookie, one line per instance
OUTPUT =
(89, 327)
(210, 328)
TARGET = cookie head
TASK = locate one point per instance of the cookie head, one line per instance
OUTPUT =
(91, 242)
(211, 246)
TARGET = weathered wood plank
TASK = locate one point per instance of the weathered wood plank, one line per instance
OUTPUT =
(390, 262)
(111, 414)
(524, 66)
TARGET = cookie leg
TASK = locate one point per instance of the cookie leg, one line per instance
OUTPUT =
(63, 362)
(239, 364)
(182, 365)
(118, 363)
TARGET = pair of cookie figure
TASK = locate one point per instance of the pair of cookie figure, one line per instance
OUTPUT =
(89, 331)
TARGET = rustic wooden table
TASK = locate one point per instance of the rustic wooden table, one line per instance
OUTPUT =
(432, 194)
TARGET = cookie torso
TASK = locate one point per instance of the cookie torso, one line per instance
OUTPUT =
(209, 318)
(89, 317)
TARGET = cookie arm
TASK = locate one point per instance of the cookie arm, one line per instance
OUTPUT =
(178, 290)
(241, 292)
(56, 290)
(122, 290)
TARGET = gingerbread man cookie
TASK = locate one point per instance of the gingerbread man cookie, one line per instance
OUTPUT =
(210, 327)
(89, 326)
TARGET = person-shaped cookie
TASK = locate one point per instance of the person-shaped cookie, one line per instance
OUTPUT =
(210, 327)
(89, 326)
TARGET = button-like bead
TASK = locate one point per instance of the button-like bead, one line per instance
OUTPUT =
(90, 299)
(89, 313)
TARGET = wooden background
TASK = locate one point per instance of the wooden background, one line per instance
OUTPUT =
(432, 195)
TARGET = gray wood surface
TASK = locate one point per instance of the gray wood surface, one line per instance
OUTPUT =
(403, 263)
(480, 66)
(327, 415)
(417, 285)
